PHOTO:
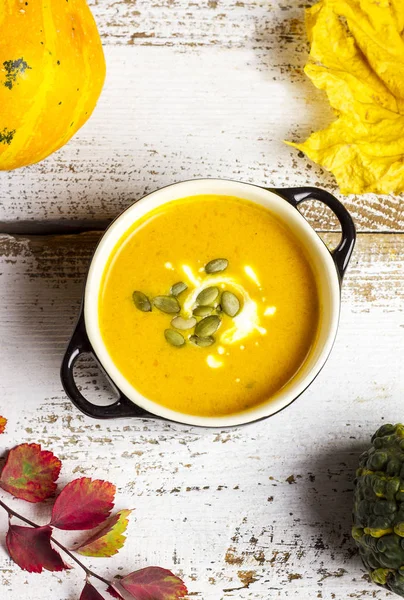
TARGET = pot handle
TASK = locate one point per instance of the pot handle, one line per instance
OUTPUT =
(80, 344)
(342, 253)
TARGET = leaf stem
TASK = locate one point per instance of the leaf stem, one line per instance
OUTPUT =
(87, 571)
(12, 512)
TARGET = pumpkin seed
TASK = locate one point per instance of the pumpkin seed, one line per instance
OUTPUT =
(217, 265)
(141, 301)
(203, 342)
(207, 326)
(178, 288)
(207, 296)
(181, 323)
(202, 311)
(230, 304)
(167, 304)
(174, 338)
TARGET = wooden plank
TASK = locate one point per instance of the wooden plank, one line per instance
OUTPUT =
(183, 23)
(252, 513)
(167, 116)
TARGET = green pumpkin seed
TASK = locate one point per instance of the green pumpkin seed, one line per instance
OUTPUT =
(178, 288)
(203, 342)
(217, 265)
(207, 326)
(202, 311)
(167, 304)
(230, 304)
(181, 323)
(174, 338)
(207, 296)
(141, 301)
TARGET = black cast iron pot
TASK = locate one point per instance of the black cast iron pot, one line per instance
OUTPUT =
(329, 268)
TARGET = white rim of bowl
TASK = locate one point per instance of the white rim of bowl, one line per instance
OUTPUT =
(278, 206)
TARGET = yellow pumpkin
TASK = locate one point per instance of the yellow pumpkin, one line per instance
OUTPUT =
(52, 71)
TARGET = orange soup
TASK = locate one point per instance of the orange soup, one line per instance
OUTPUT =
(208, 305)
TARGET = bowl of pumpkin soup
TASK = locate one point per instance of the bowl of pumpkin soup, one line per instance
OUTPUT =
(210, 302)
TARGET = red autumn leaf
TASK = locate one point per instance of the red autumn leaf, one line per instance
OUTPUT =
(83, 504)
(3, 423)
(90, 593)
(114, 593)
(109, 539)
(30, 473)
(31, 549)
(154, 583)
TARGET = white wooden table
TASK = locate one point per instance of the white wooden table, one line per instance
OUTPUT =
(195, 89)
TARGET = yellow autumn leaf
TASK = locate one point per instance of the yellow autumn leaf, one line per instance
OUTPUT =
(357, 58)
(109, 539)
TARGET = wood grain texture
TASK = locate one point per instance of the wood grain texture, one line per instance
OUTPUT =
(206, 89)
(184, 23)
(252, 513)
(168, 114)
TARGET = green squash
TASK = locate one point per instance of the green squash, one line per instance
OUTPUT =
(378, 513)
